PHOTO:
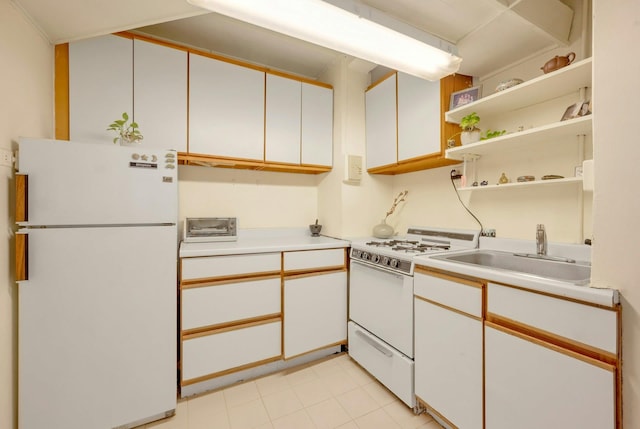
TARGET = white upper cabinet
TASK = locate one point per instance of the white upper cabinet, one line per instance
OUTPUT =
(282, 128)
(226, 109)
(299, 122)
(160, 95)
(100, 86)
(418, 117)
(317, 125)
(381, 129)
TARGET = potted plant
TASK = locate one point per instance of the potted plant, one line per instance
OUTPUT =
(470, 132)
(128, 132)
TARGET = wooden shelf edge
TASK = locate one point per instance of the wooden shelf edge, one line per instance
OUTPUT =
(220, 162)
(416, 164)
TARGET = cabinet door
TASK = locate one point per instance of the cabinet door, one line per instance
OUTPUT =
(381, 130)
(226, 109)
(448, 363)
(317, 125)
(100, 86)
(529, 384)
(282, 128)
(315, 312)
(418, 117)
(160, 95)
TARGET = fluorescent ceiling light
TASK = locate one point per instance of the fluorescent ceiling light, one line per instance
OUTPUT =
(337, 28)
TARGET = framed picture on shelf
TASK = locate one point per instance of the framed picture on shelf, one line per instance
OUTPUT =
(466, 96)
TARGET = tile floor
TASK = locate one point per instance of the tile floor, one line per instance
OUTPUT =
(332, 393)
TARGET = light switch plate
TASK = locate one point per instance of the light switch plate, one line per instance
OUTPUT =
(353, 168)
(6, 158)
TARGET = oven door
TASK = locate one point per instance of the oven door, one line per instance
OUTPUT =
(381, 301)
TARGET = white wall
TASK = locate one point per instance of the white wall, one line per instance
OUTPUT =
(259, 199)
(26, 109)
(616, 155)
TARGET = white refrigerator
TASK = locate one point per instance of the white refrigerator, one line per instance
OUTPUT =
(96, 268)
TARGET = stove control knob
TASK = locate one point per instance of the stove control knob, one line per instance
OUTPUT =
(365, 256)
(375, 258)
(356, 253)
(385, 260)
(394, 263)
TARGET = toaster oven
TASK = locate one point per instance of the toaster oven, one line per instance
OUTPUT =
(204, 229)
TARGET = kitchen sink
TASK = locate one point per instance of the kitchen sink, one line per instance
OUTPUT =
(567, 270)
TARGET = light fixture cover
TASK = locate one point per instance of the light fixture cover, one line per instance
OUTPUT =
(333, 27)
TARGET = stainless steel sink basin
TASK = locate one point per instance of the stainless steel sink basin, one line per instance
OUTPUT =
(573, 272)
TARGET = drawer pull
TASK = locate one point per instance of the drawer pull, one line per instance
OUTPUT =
(374, 344)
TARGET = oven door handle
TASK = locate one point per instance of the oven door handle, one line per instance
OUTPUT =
(373, 343)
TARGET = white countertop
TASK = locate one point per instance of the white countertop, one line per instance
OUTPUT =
(262, 240)
(606, 297)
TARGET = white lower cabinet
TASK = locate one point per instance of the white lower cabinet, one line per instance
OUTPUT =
(213, 353)
(315, 312)
(448, 349)
(532, 384)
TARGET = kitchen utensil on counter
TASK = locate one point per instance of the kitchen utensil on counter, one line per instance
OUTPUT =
(315, 229)
(551, 177)
(558, 62)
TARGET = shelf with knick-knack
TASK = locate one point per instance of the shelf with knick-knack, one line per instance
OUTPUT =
(520, 185)
(546, 134)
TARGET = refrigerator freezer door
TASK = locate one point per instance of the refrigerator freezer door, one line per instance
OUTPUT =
(71, 183)
(97, 327)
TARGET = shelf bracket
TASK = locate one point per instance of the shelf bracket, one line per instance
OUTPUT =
(469, 169)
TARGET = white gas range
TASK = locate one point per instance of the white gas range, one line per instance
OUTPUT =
(381, 301)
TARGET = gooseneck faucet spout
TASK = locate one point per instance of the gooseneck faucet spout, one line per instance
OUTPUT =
(541, 240)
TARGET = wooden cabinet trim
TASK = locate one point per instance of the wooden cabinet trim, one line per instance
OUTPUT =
(203, 331)
(573, 349)
(61, 91)
(445, 276)
(432, 410)
(229, 371)
(446, 307)
(231, 326)
(336, 344)
(22, 186)
(221, 281)
(312, 272)
(382, 79)
(564, 298)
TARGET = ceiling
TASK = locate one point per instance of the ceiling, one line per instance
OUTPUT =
(477, 27)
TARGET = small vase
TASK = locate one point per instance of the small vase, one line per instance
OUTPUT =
(468, 137)
(382, 230)
(128, 142)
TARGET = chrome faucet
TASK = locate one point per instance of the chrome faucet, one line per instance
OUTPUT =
(541, 240)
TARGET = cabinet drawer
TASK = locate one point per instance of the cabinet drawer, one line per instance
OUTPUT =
(314, 259)
(228, 266)
(593, 326)
(204, 356)
(222, 303)
(459, 294)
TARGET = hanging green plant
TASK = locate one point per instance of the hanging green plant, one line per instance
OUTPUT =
(128, 132)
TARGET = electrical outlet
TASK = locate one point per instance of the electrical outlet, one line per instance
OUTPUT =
(6, 158)
(488, 232)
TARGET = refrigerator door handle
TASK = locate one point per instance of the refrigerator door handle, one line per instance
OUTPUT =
(22, 182)
(22, 255)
